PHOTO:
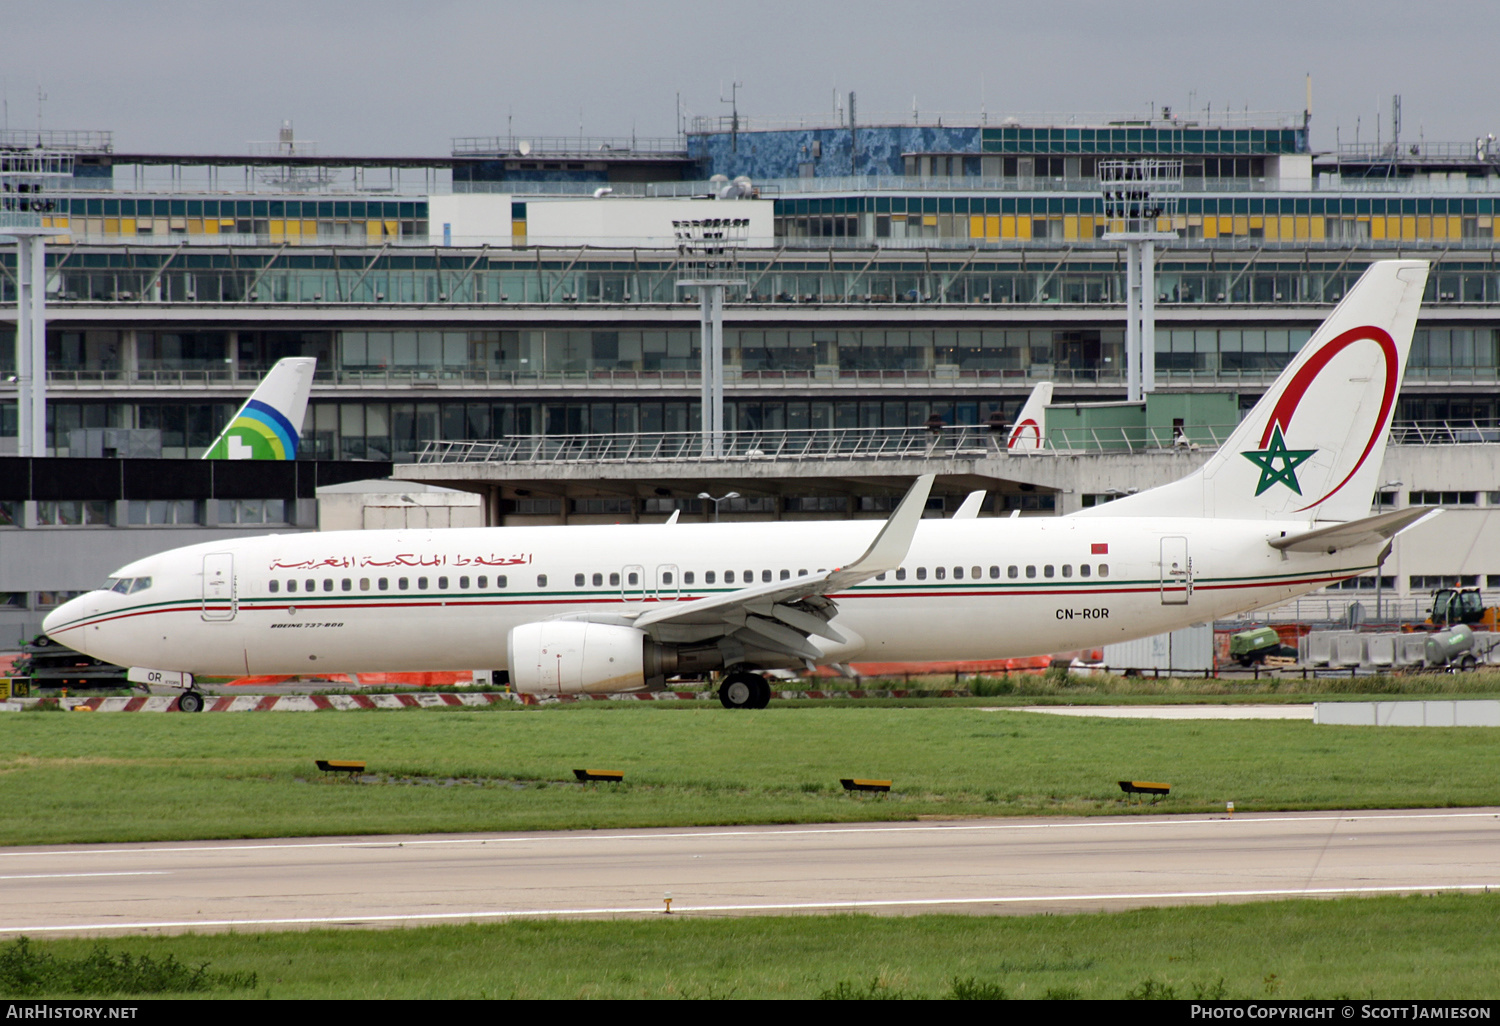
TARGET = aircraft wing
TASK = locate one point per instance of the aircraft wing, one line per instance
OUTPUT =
(1356, 532)
(782, 615)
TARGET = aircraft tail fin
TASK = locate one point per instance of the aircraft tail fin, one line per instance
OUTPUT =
(1030, 431)
(1312, 447)
(269, 425)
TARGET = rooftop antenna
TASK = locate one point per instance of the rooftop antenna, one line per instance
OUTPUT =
(734, 113)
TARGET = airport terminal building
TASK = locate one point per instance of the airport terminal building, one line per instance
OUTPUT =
(896, 275)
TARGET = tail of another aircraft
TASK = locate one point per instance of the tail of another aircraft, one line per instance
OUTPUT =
(1312, 447)
(1030, 431)
(268, 426)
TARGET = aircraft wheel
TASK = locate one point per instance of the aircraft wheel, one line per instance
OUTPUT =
(739, 690)
(190, 702)
(762, 690)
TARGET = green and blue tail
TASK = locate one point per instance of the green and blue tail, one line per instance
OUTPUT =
(268, 426)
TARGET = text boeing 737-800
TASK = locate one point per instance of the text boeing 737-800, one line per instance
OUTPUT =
(1281, 509)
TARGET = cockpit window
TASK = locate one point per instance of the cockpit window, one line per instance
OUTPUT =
(127, 585)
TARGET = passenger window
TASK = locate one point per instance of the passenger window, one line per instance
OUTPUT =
(941, 573)
(578, 580)
(1103, 569)
(598, 580)
(421, 584)
(385, 584)
(1067, 570)
(463, 583)
(786, 575)
(632, 579)
(402, 584)
(687, 577)
(291, 586)
(328, 584)
(1047, 570)
(728, 576)
(442, 584)
(1083, 570)
(541, 580)
(484, 582)
(275, 587)
(921, 573)
(346, 585)
(994, 573)
(880, 576)
(309, 585)
(666, 577)
(500, 581)
(901, 573)
(958, 573)
(614, 580)
(708, 577)
(1031, 571)
(974, 573)
(364, 584)
(1013, 572)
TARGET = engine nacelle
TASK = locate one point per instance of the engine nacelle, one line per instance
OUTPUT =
(570, 657)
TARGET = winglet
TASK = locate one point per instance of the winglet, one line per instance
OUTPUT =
(890, 546)
(970, 508)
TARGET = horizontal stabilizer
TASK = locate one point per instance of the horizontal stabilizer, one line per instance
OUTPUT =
(1356, 533)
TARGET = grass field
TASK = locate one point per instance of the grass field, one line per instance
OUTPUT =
(1409, 948)
(73, 777)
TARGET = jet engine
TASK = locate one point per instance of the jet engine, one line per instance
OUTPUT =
(569, 657)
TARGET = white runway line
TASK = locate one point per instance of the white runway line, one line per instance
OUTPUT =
(1170, 712)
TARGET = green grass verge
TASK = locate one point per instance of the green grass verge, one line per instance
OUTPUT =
(1377, 948)
(140, 777)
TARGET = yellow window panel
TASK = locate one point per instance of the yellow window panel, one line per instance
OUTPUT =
(518, 229)
(392, 229)
(1210, 227)
(1455, 227)
(373, 230)
(293, 228)
(210, 228)
(1070, 227)
(127, 225)
(1377, 227)
(1241, 225)
(1023, 227)
(278, 229)
(1300, 227)
(929, 220)
(1315, 227)
(976, 226)
(1424, 228)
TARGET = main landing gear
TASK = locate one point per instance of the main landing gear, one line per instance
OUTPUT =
(745, 690)
(190, 701)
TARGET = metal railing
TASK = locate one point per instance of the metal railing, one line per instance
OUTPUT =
(1150, 118)
(792, 444)
(570, 147)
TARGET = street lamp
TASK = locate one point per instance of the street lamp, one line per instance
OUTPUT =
(716, 501)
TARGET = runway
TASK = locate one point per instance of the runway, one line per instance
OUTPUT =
(1004, 867)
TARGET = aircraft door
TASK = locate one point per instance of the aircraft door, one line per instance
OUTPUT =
(668, 582)
(1176, 572)
(220, 600)
(633, 583)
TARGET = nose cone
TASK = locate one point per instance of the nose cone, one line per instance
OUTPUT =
(57, 623)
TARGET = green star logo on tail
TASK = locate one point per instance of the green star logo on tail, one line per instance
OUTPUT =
(1290, 460)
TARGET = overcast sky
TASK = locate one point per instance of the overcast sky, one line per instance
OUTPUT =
(378, 77)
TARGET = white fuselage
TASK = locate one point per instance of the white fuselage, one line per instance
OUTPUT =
(368, 601)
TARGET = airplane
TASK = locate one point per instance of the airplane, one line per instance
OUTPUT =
(1029, 433)
(268, 426)
(1281, 509)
